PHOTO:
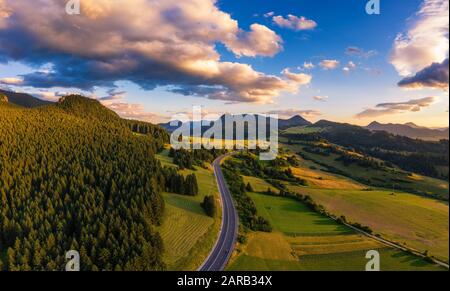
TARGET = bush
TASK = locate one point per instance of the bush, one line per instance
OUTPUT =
(209, 205)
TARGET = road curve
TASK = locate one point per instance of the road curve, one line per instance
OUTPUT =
(221, 253)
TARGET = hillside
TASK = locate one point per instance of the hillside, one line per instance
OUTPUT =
(77, 182)
(429, 158)
(410, 130)
(24, 100)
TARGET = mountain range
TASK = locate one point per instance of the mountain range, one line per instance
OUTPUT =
(411, 130)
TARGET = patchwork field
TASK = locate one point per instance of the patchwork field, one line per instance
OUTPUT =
(305, 240)
(188, 233)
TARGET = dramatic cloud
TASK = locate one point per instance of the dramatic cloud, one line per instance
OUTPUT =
(321, 98)
(329, 64)
(427, 40)
(150, 43)
(435, 76)
(382, 109)
(359, 52)
(287, 113)
(295, 23)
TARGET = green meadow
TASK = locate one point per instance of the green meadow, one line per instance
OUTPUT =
(305, 240)
(187, 232)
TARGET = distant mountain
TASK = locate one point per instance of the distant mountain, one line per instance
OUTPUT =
(293, 122)
(24, 100)
(282, 123)
(410, 130)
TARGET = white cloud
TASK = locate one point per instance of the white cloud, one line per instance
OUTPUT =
(414, 105)
(349, 67)
(320, 98)
(308, 65)
(426, 42)
(294, 22)
(329, 64)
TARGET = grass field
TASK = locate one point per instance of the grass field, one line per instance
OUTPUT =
(305, 240)
(323, 180)
(259, 185)
(419, 222)
(188, 233)
(390, 179)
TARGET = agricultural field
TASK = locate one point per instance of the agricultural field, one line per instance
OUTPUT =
(419, 223)
(320, 179)
(305, 240)
(187, 232)
(388, 178)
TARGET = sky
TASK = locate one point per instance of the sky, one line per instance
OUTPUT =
(151, 59)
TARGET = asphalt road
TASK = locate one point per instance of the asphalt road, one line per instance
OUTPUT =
(221, 253)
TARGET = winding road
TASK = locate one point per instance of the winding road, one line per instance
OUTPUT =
(221, 253)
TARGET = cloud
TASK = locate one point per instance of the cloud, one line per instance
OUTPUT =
(426, 42)
(11, 81)
(414, 105)
(134, 111)
(113, 95)
(435, 76)
(241, 84)
(151, 43)
(269, 14)
(359, 52)
(350, 67)
(329, 64)
(287, 113)
(321, 98)
(308, 66)
(295, 23)
(301, 79)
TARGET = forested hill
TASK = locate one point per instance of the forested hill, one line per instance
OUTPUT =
(72, 179)
(22, 99)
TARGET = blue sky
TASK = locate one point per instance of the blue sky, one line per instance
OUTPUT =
(371, 80)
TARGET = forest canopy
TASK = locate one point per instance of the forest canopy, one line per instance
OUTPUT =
(75, 176)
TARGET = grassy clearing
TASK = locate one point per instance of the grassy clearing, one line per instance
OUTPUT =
(304, 240)
(188, 233)
(419, 222)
